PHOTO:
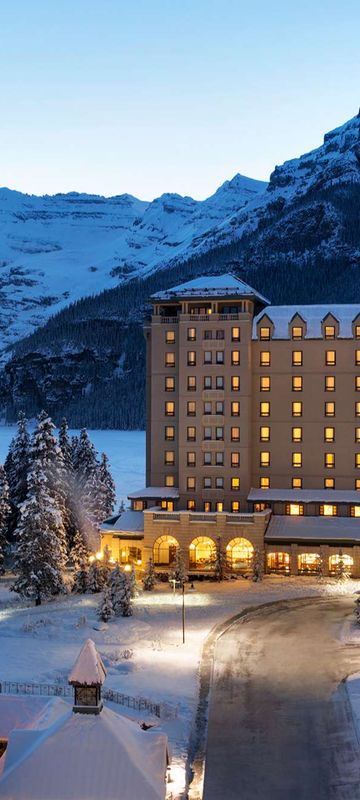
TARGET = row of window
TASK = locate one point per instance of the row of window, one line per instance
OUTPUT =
(297, 483)
(169, 458)
(264, 409)
(297, 332)
(325, 510)
(297, 409)
(297, 434)
(209, 357)
(297, 383)
(217, 433)
(297, 460)
(207, 334)
(297, 358)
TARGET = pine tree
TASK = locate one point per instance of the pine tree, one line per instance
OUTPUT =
(41, 554)
(84, 459)
(81, 583)
(126, 600)
(96, 577)
(4, 516)
(132, 582)
(178, 572)
(66, 446)
(220, 560)
(45, 449)
(116, 583)
(341, 573)
(149, 579)
(105, 609)
(79, 551)
(257, 565)
(17, 468)
(106, 486)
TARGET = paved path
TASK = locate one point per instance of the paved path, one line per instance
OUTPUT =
(280, 726)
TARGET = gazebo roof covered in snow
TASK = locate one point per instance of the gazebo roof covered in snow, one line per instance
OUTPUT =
(88, 669)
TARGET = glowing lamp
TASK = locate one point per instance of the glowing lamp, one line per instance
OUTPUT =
(91, 559)
(127, 568)
(99, 555)
(139, 562)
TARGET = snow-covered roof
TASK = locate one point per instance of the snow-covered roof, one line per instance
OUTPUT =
(304, 495)
(88, 669)
(131, 521)
(313, 315)
(323, 529)
(88, 756)
(157, 492)
(211, 286)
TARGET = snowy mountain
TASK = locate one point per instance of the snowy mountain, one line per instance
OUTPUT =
(54, 250)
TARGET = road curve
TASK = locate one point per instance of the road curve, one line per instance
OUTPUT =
(280, 725)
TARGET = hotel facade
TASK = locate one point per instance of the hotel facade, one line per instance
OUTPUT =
(253, 434)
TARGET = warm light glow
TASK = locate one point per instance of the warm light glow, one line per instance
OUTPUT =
(127, 568)
(356, 511)
(99, 555)
(123, 554)
(295, 509)
(329, 510)
(139, 562)
(91, 559)
(192, 546)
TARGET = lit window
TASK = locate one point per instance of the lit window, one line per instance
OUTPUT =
(169, 457)
(297, 408)
(329, 383)
(328, 510)
(207, 506)
(357, 434)
(170, 384)
(235, 358)
(297, 332)
(235, 506)
(329, 434)
(264, 433)
(138, 505)
(191, 434)
(169, 359)
(357, 358)
(329, 460)
(329, 483)
(220, 357)
(170, 408)
(265, 383)
(191, 505)
(191, 483)
(191, 358)
(219, 459)
(191, 459)
(235, 383)
(235, 459)
(264, 482)
(170, 337)
(235, 484)
(265, 358)
(265, 409)
(329, 409)
(297, 460)
(357, 484)
(297, 435)
(191, 334)
(297, 383)
(169, 480)
(297, 358)
(191, 383)
(191, 408)
(235, 334)
(235, 434)
(264, 458)
(207, 483)
(265, 334)
(357, 383)
(330, 358)
(208, 357)
(169, 433)
(296, 483)
(357, 331)
(355, 511)
(295, 509)
(235, 408)
(260, 507)
(219, 506)
(357, 460)
(329, 331)
(357, 409)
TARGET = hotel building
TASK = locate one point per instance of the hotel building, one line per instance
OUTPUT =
(253, 433)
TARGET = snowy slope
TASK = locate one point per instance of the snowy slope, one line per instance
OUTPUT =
(57, 249)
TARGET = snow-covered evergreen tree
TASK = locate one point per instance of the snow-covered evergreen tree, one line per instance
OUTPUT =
(178, 571)
(81, 583)
(84, 459)
(116, 583)
(341, 572)
(96, 577)
(4, 516)
(126, 600)
(105, 609)
(17, 468)
(132, 582)
(79, 551)
(220, 564)
(257, 565)
(149, 579)
(41, 552)
(45, 449)
(107, 489)
(66, 446)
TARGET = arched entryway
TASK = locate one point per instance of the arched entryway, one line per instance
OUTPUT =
(202, 553)
(278, 562)
(335, 563)
(309, 563)
(164, 550)
(239, 554)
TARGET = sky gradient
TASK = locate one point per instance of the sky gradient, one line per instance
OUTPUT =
(150, 96)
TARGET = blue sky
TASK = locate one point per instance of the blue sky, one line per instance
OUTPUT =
(148, 96)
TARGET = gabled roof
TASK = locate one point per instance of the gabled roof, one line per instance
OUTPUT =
(88, 669)
(312, 315)
(225, 285)
(127, 521)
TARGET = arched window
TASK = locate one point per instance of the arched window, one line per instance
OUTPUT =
(164, 550)
(278, 562)
(308, 563)
(202, 553)
(239, 554)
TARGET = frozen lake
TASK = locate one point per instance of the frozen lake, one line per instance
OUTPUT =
(125, 449)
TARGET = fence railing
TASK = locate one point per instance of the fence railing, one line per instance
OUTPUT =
(62, 690)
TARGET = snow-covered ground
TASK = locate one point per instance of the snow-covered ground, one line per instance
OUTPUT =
(125, 450)
(41, 644)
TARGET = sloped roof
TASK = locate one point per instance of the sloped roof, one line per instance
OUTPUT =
(211, 286)
(88, 669)
(320, 529)
(313, 315)
(304, 496)
(131, 521)
(155, 492)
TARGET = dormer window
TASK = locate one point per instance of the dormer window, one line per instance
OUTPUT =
(329, 331)
(297, 332)
(330, 327)
(265, 333)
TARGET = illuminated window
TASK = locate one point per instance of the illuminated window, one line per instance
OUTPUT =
(265, 384)
(191, 358)
(235, 484)
(191, 483)
(202, 553)
(265, 334)
(264, 482)
(297, 434)
(138, 505)
(357, 331)
(297, 383)
(167, 505)
(208, 357)
(330, 358)
(191, 434)
(191, 505)
(235, 459)
(309, 563)
(264, 433)
(219, 506)
(329, 409)
(191, 408)
(357, 434)
(297, 358)
(235, 434)
(235, 506)
(239, 554)
(169, 408)
(329, 434)
(169, 458)
(355, 511)
(235, 383)
(296, 483)
(357, 460)
(265, 409)
(329, 331)
(169, 480)
(328, 510)
(264, 458)
(191, 383)
(191, 459)
(235, 334)
(278, 563)
(329, 483)
(207, 506)
(265, 358)
(235, 408)
(329, 460)
(169, 433)
(357, 358)
(260, 507)
(191, 334)
(220, 356)
(346, 561)
(235, 358)
(329, 383)
(170, 384)
(169, 359)
(357, 409)
(295, 509)
(357, 484)
(357, 383)
(297, 408)
(297, 332)
(296, 460)
(170, 337)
